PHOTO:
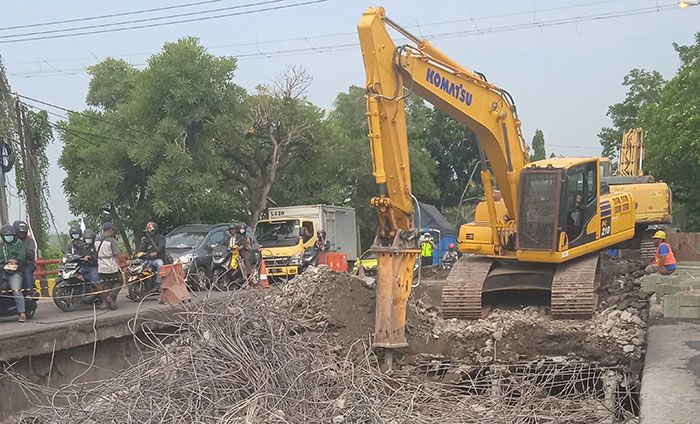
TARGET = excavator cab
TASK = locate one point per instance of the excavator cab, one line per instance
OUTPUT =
(557, 202)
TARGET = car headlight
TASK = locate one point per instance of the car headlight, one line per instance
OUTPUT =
(296, 259)
(186, 258)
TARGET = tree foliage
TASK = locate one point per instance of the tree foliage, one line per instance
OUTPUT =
(643, 87)
(672, 125)
(538, 149)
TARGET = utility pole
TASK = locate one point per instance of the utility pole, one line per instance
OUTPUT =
(26, 148)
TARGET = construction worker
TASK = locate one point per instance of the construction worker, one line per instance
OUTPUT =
(427, 246)
(664, 261)
(450, 257)
(12, 256)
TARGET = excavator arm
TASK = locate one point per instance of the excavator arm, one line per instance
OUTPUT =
(393, 73)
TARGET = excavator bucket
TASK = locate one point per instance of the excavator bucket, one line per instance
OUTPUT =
(394, 279)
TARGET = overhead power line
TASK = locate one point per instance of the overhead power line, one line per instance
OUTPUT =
(151, 19)
(533, 12)
(445, 35)
(159, 24)
(112, 15)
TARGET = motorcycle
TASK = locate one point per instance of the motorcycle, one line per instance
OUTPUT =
(140, 278)
(8, 307)
(71, 287)
(226, 268)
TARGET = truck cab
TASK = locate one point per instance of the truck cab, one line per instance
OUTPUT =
(283, 243)
(288, 236)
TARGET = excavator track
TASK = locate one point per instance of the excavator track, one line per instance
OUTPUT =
(647, 250)
(461, 293)
(574, 288)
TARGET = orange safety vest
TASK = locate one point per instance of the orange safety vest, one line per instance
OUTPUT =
(670, 259)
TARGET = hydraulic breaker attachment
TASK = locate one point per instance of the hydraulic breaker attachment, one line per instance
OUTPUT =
(394, 278)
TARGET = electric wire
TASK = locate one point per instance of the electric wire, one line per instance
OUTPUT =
(153, 25)
(111, 15)
(135, 21)
(444, 35)
(340, 34)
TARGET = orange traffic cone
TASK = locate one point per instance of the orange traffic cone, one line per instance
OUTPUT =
(263, 276)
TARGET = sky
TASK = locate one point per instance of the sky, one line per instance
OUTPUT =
(562, 61)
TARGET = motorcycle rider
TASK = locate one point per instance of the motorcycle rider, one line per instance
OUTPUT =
(13, 255)
(22, 232)
(153, 246)
(451, 256)
(88, 265)
(76, 243)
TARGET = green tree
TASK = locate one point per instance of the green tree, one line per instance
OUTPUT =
(146, 149)
(672, 141)
(538, 149)
(643, 87)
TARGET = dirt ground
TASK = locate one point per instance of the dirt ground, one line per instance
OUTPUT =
(343, 306)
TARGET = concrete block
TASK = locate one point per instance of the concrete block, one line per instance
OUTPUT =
(689, 312)
(690, 298)
(692, 284)
(671, 307)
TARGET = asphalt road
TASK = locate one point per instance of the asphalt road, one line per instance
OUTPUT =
(48, 314)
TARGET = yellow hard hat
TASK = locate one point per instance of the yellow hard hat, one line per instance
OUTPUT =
(660, 235)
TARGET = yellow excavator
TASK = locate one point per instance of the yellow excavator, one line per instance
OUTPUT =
(543, 230)
(652, 199)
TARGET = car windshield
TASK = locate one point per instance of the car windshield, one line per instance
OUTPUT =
(278, 233)
(368, 255)
(185, 239)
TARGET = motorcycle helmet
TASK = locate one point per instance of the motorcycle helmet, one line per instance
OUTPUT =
(89, 236)
(8, 233)
(233, 228)
(75, 232)
(241, 229)
(21, 229)
(451, 246)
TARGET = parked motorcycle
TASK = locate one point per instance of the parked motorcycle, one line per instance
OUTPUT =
(140, 278)
(226, 270)
(71, 288)
(8, 307)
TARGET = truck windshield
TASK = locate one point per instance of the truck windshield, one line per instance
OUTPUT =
(278, 233)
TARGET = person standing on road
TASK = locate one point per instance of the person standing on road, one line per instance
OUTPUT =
(427, 246)
(153, 246)
(108, 257)
(12, 256)
(664, 261)
(245, 250)
(22, 232)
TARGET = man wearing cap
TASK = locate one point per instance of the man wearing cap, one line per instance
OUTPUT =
(108, 256)
(664, 261)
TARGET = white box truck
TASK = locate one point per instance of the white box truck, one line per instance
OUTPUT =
(289, 231)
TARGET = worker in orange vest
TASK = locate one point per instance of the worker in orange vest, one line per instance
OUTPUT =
(664, 262)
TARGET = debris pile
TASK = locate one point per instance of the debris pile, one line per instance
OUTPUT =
(242, 361)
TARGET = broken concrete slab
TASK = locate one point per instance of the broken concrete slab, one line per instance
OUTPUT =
(682, 305)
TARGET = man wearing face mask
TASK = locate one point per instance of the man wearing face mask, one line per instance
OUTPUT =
(153, 246)
(13, 254)
(76, 243)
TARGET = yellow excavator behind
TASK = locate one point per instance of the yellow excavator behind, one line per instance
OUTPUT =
(543, 232)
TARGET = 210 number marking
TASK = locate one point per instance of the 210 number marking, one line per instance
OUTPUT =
(605, 227)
